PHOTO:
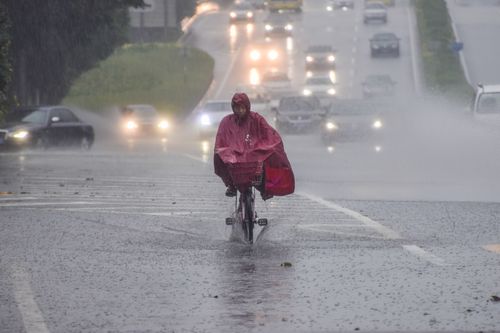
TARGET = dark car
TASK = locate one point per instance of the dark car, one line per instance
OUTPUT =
(278, 25)
(43, 127)
(143, 120)
(299, 114)
(320, 57)
(353, 119)
(384, 43)
(378, 85)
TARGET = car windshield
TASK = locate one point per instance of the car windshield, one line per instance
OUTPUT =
(385, 36)
(242, 6)
(143, 111)
(319, 81)
(489, 103)
(298, 103)
(31, 116)
(217, 107)
(275, 77)
(354, 108)
(319, 49)
(375, 6)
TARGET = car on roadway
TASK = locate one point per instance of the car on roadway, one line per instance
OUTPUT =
(241, 12)
(210, 114)
(298, 114)
(378, 85)
(276, 83)
(265, 55)
(320, 86)
(257, 4)
(349, 120)
(278, 25)
(143, 120)
(320, 57)
(374, 11)
(342, 4)
(43, 127)
(486, 103)
(384, 43)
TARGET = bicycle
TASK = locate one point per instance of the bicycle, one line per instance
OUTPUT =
(246, 176)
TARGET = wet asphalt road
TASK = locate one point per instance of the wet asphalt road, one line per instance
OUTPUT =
(130, 237)
(135, 241)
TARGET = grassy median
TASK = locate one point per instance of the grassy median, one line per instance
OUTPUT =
(167, 76)
(442, 70)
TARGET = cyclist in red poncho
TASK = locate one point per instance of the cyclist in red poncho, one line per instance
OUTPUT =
(245, 136)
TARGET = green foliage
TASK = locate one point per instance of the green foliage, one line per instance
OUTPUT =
(5, 66)
(157, 74)
(442, 69)
(54, 41)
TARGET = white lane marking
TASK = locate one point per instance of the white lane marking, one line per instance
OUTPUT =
(229, 70)
(196, 158)
(18, 198)
(354, 50)
(28, 204)
(413, 51)
(385, 231)
(421, 253)
(32, 316)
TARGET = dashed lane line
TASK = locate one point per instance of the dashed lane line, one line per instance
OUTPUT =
(385, 231)
(31, 315)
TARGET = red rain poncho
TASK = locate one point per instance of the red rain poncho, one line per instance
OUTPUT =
(251, 140)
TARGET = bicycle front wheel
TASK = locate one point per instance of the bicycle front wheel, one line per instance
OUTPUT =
(249, 214)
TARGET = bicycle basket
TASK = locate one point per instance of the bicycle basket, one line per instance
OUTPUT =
(246, 174)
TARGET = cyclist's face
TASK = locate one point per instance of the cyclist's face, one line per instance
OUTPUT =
(239, 110)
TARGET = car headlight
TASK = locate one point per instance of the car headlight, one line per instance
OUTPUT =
(309, 59)
(232, 14)
(205, 120)
(377, 124)
(20, 134)
(249, 14)
(272, 55)
(268, 27)
(289, 27)
(331, 91)
(331, 126)
(131, 125)
(307, 92)
(163, 124)
(255, 55)
(331, 58)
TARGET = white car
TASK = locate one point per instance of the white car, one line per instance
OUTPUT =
(486, 104)
(375, 11)
(342, 4)
(209, 116)
(242, 12)
(321, 86)
(276, 83)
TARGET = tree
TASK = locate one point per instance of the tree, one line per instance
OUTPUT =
(54, 41)
(5, 66)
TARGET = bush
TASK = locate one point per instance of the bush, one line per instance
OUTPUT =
(443, 72)
(167, 76)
